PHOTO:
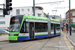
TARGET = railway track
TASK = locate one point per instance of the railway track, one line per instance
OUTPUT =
(50, 46)
(4, 42)
(44, 44)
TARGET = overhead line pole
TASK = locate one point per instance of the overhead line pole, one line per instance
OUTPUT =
(69, 17)
(33, 7)
(49, 26)
(34, 14)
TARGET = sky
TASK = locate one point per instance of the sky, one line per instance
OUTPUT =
(47, 8)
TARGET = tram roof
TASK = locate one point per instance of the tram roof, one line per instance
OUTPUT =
(40, 18)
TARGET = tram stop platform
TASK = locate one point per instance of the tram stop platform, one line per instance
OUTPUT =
(71, 37)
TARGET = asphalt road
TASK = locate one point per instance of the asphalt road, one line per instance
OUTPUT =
(55, 43)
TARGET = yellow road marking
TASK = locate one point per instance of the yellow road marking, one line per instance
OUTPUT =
(68, 44)
(65, 37)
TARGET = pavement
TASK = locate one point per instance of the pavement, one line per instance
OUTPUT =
(71, 37)
(3, 37)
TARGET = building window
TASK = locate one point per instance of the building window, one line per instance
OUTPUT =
(1, 11)
(2, 22)
(73, 20)
(1, 16)
(28, 9)
(39, 15)
(73, 13)
(53, 17)
(22, 9)
(17, 11)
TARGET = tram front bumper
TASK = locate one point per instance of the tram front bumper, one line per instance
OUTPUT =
(13, 38)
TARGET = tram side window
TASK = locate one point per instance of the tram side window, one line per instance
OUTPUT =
(52, 27)
(23, 28)
(27, 27)
(58, 27)
(41, 27)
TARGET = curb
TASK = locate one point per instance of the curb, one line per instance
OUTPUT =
(3, 34)
(4, 40)
(71, 41)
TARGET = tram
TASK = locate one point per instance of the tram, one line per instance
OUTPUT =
(23, 27)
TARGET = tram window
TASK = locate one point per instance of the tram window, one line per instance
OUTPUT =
(41, 27)
(23, 28)
(52, 27)
(27, 27)
(58, 27)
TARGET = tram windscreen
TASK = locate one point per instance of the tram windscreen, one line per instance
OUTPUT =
(15, 23)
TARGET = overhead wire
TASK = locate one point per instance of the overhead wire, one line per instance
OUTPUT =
(49, 2)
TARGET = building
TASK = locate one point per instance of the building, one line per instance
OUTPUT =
(1, 10)
(72, 18)
(63, 23)
(4, 21)
(28, 11)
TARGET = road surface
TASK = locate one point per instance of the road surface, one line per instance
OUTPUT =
(55, 43)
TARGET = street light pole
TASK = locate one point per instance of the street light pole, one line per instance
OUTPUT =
(33, 7)
(69, 17)
(49, 26)
(34, 14)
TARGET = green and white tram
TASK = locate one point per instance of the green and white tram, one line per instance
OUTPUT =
(23, 27)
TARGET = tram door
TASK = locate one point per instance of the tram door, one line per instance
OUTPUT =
(31, 28)
(54, 29)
